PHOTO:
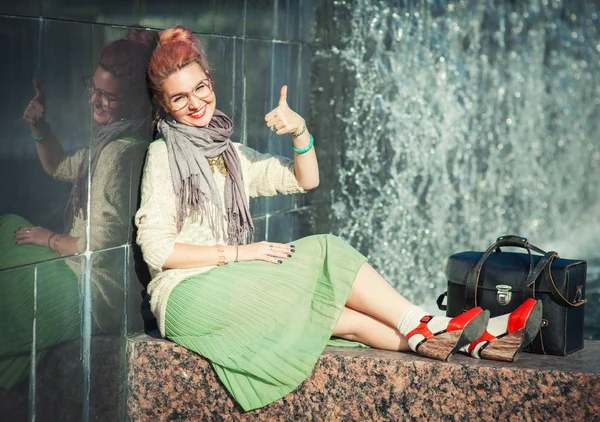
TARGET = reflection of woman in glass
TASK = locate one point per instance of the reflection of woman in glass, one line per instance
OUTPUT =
(121, 113)
(263, 312)
(121, 130)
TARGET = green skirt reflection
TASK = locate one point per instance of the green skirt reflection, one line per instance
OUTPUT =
(56, 310)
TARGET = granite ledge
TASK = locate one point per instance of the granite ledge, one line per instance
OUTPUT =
(168, 382)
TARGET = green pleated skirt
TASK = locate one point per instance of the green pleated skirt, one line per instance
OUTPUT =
(263, 326)
(53, 301)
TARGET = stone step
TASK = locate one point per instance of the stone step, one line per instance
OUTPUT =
(166, 382)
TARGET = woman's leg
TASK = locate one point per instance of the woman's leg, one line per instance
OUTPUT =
(437, 337)
(372, 295)
(356, 326)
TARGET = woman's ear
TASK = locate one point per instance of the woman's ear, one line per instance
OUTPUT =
(159, 113)
(164, 109)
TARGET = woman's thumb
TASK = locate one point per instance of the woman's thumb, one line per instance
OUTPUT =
(38, 88)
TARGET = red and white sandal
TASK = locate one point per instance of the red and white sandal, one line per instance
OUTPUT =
(440, 338)
(508, 334)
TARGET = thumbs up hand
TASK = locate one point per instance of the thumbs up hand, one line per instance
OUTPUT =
(282, 119)
(34, 113)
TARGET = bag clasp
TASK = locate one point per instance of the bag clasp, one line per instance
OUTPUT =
(579, 294)
(503, 294)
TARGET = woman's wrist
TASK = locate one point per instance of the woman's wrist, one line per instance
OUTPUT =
(228, 253)
(221, 258)
(54, 242)
(50, 240)
(241, 253)
(303, 144)
(300, 131)
(40, 131)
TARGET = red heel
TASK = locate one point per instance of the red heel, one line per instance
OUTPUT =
(445, 342)
(522, 325)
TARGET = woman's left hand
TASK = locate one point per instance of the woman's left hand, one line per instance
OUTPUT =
(33, 236)
(282, 119)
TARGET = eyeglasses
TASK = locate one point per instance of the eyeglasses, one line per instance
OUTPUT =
(105, 97)
(202, 91)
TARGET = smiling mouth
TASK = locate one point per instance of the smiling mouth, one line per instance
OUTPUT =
(199, 113)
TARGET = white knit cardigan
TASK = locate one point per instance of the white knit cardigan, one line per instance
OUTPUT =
(263, 175)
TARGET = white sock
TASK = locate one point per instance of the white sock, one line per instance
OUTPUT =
(498, 325)
(411, 318)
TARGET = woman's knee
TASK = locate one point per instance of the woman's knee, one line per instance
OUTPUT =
(332, 239)
(9, 223)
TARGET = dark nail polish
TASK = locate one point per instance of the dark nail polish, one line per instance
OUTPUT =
(289, 256)
(293, 250)
(279, 261)
(292, 246)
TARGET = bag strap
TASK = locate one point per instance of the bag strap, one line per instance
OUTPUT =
(440, 301)
(546, 263)
(473, 277)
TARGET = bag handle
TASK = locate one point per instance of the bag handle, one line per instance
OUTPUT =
(517, 241)
(546, 263)
(502, 241)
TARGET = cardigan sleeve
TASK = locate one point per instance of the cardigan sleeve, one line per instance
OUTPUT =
(268, 175)
(156, 219)
(68, 168)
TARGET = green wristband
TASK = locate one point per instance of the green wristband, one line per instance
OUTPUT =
(308, 148)
(45, 130)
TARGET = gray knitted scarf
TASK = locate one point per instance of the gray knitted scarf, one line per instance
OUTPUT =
(189, 147)
(103, 135)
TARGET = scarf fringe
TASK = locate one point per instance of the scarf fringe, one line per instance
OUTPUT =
(193, 203)
(241, 232)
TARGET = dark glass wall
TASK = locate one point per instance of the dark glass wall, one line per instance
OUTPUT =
(68, 302)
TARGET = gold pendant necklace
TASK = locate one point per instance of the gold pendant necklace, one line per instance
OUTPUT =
(219, 163)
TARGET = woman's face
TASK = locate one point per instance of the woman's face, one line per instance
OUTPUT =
(188, 96)
(105, 97)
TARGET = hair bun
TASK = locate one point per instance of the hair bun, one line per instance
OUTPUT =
(177, 49)
(143, 36)
(176, 34)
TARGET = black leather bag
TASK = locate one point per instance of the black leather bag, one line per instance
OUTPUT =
(500, 281)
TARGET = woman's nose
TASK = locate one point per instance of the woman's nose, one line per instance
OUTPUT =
(195, 103)
(95, 98)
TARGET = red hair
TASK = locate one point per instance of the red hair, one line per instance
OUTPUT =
(178, 48)
(127, 60)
